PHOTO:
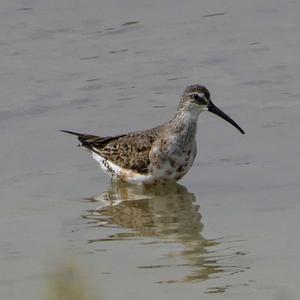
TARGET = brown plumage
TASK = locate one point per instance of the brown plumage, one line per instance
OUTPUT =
(129, 151)
(163, 153)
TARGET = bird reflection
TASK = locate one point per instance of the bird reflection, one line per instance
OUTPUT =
(168, 213)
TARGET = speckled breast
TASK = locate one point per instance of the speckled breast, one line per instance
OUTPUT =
(174, 163)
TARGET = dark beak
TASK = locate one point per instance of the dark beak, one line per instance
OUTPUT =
(215, 110)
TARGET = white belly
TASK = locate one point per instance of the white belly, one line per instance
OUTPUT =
(121, 173)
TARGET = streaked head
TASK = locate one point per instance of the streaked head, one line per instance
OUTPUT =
(196, 98)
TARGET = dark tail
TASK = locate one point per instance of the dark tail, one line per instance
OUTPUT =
(89, 141)
(72, 132)
(83, 138)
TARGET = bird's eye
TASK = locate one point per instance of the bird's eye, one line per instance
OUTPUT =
(199, 97)
(196, 97)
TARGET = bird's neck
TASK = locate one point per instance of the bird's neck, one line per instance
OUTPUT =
(184, 123)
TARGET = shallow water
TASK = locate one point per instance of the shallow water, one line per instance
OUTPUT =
(167, 220)
(229, 229)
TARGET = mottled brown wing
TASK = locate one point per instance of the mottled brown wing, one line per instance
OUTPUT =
(130, 151)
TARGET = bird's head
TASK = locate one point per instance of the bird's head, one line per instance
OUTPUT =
(196, 98)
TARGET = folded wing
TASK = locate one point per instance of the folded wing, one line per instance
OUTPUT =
(129, 151)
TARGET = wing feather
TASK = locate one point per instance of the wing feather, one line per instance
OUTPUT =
(129, 151)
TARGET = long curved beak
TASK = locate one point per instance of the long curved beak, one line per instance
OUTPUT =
(215, 110)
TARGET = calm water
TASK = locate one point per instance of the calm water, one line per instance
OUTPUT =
(229, 229)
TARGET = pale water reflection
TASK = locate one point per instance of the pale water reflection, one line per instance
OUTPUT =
(166, 214)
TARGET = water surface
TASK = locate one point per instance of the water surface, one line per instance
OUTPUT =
(229, 229)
